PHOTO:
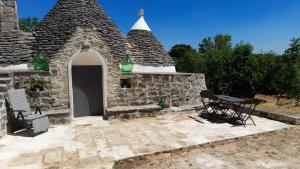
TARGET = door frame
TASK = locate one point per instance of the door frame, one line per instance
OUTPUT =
(101, 61)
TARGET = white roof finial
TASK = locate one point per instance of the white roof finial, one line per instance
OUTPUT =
(141, 23)
(141, 12)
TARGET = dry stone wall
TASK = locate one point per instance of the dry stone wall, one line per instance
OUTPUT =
(175, 89)
(3, 115)
(146, 89)
(16, 47)
(8, 15)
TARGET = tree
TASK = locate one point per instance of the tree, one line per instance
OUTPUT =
(28, 24)
(219, 42)
(178, 51)
(293, 52)
(230, 68)
(243, 74)
(223, 42)
(267, 66)
(291, 60)
(243, 49)
(207, 44)
(185, 57)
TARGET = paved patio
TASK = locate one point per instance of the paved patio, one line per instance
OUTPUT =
(93, 143)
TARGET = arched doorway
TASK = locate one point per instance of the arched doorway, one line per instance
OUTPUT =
(87, 74)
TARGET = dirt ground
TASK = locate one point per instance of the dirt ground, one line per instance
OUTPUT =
(279, 149)
(284, 106)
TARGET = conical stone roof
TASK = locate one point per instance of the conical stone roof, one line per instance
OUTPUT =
(153, 52)
(61, 22)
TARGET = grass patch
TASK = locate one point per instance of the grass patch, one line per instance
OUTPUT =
(284, 105)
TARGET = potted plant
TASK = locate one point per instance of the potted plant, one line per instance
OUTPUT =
(35, 87)
(162, 104)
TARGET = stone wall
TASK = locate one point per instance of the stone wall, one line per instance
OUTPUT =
(58, 112)
(16, 47)
(3, 115)
(176, 89)
(21, 79)
(8, 15)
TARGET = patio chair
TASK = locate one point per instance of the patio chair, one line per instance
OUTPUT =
(246, 110)
(20, 109)
(211, 101)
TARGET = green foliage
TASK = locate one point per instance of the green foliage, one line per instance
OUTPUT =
(162, 104)
(28, 24)
(223, 42)
(35, 85)
(206, 45)
(237, 68)
(291, 61)
(185, 57)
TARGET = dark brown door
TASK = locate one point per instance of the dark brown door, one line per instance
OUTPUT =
(87, 90)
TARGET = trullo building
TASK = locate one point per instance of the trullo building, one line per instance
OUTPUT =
(85, 49)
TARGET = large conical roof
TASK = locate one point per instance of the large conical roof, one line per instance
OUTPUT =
(153, 53)
(67, 15)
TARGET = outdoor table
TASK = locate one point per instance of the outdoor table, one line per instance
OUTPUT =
(237, 105)
(230, 99)
(230, 102)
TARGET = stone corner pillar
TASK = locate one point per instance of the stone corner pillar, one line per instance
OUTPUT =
(8, 16)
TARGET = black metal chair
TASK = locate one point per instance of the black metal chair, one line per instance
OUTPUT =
(246, 110)
(211, 101)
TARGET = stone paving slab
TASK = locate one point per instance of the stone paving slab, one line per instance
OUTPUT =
(93, 143)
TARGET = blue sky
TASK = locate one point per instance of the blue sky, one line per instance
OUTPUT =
(267, 24)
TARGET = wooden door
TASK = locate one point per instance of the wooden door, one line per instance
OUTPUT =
(87, 91)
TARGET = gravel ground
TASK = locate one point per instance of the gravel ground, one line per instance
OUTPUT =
(279, 149)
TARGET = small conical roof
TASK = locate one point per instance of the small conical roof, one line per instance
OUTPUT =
(141, 24)
(142, 39)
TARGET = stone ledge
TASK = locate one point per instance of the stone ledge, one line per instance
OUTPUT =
(131, 112)
(59, 117)
(58, 112)
(285, 118)
(23, 71)
(161, 73)
(130, 109)
(186, 108)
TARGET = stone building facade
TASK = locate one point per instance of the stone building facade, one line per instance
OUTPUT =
(8, 15)
(3, 114)
(77, 34)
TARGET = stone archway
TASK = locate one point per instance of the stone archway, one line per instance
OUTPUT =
(92, 67)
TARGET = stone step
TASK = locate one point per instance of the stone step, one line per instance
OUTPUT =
(4, 75)
(5, 80)
(128, 109)
(3, 88)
